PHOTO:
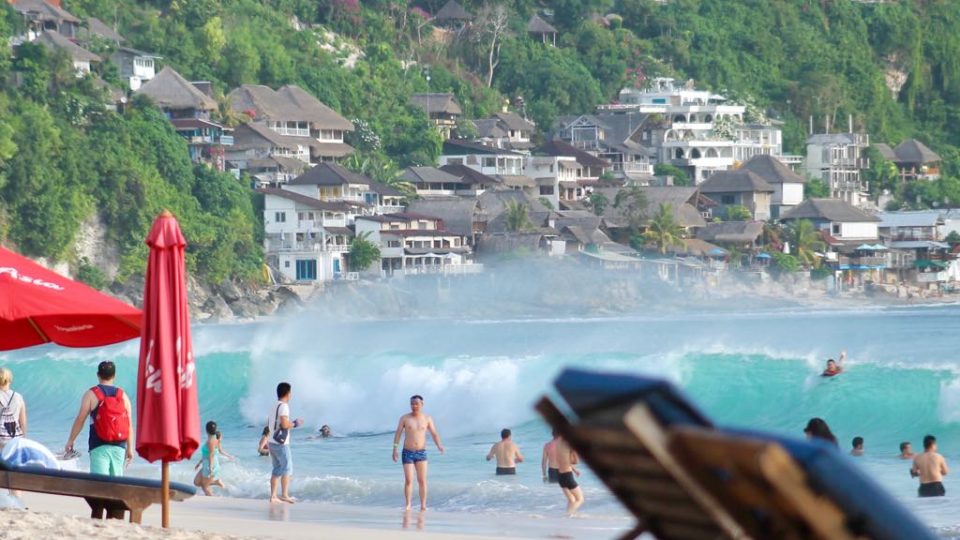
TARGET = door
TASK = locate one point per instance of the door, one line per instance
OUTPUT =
(306, 270)
(336, 266)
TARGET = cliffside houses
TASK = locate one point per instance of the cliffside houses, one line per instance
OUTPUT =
(190, 110)
(838, 160)
(442, 109)
(913, 159)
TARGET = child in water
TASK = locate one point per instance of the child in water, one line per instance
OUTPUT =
(262, 447)
(209, 464)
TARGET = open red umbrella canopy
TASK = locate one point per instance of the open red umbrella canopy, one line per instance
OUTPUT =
(168, 417)
(40, 306)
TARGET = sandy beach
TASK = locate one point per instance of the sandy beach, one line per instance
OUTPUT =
(225, 518)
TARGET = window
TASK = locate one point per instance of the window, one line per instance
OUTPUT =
(727, 199)
(835, 229)
(286, 264)
(306, 270)
(489, 162)
(280, 217)
(546, 190)
(455, 161)
(393, 243)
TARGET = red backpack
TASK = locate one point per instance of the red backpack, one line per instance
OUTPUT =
(111, 421)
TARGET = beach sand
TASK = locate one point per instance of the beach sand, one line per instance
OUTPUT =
(216, 518)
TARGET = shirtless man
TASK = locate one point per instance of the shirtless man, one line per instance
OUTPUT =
(414, 427)
(931, 468)
(507, 453)
(566, 459)
(548, 463)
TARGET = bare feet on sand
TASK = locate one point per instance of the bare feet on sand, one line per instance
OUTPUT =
(287, 499)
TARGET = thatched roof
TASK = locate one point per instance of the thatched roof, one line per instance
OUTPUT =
(557, 147)
(288, 103)
(437, 103)
(493, 205)
(468, 175)
(452, 11)
(677, 198)
(329, 174)
(428, 175)
(914, 151)
(885, 151)
(738, 181)
(505, 242)
(55, 40)
(829, 210)
(457, 213)
(40, 10)
(169, 90)
(96, 27)
(732, 232)
(772, 170)
(539, 26)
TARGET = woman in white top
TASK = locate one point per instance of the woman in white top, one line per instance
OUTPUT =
(13, 411)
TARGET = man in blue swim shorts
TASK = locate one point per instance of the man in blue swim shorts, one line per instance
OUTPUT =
(414, 427)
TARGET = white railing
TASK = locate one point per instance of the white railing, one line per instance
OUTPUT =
(445, 269)
(931, 277)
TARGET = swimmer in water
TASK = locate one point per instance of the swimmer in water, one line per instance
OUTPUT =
(906, 450)
(834, 367)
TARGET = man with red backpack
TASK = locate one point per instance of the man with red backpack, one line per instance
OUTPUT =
(111, 426)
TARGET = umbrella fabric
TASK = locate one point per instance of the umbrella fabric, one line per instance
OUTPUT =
(168, 419)
(40, 306)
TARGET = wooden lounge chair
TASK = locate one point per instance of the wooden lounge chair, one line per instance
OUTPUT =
(685, 479)
(107, 495)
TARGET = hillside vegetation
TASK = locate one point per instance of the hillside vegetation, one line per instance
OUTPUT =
(64, 156)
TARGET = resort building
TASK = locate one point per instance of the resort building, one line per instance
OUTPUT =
(739, 188)
(913, 159)
(135, 67)
(442, 109)
(506, 130)
(787, 185)
(416, 244)
(838, 160)
(619, 139)
(40, 16)
(80, 57)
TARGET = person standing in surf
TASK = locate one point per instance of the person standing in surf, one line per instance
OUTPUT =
(931, 468)
(414, 427)
(507, 453)
(566, 459)
(280, 425)
(834, 367)
(548, 463)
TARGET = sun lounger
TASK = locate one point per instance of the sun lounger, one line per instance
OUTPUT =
(108, 495)
(685, 479)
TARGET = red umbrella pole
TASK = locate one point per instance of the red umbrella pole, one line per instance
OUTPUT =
(165, 495)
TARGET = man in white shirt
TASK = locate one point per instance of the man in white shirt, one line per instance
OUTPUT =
(279, 444)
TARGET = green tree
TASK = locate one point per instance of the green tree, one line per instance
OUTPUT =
(680, 177)
(363, 252)
(663, 231)
(517, 217)
(805, 241)
(738, 212)
(816, 188)
(632, 204)
(598, 202)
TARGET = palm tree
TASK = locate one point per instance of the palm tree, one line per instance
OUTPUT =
(517, 218)
(806, 242)
(663, 229)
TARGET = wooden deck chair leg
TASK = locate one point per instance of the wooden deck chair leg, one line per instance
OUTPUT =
(136, 514)
(641, 422)
(97, 507)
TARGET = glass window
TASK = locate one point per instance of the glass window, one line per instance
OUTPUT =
(280, 217)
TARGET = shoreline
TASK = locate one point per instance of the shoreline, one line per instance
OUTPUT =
(230, 518)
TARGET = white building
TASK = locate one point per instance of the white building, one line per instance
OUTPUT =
(417, 244)
(698, 130)
(553, 175)
(305, 239)
(838, 159)
(839, 219)
(484, 159)
(136, 67)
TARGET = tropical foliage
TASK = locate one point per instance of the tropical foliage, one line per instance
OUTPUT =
(517, 217)
(805, 241)
(663, 231)
(363, 252)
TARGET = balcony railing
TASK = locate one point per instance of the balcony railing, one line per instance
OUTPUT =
(305, 247)
(442, 269)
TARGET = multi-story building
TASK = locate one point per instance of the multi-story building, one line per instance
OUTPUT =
(135, 67)
(838, 160)
(620, 139)
(292, 112)
(555, 177)
(417, 244)
(506, 130)
(442, 109)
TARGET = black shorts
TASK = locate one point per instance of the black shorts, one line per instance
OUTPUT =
(553, 475)
(931, 489)
(567, 480)
(502, 471)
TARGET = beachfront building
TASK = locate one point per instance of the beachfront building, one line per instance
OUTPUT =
(913, 159)
(306, 240)
(416, 244)
(590, 169)
(254, 142)
(688, 205)
(740, 188)
(918, 253)
(838, 160)
(442, 109)
(81, 58)
(460, 215)
(294, 114)
(618, 139)
(458, 180)
(189, 109)
(329, 182)
(787, 185)
(697, 130)
(488, 160)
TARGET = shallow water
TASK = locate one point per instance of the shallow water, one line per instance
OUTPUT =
(754, 370)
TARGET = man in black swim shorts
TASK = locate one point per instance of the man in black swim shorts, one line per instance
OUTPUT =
(931, 468)
(507, 453)
(566, 459)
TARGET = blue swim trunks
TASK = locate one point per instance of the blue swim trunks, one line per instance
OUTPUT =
(408, 457)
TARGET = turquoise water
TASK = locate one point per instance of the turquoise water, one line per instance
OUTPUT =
(752, 370)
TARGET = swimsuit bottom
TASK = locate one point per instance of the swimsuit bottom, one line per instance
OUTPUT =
(501, 471)
(408, 457)
(931, 489)
(567, 480)
(553, 475)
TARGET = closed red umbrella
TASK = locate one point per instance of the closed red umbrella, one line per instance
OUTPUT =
(168, 417)
(40, 306)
